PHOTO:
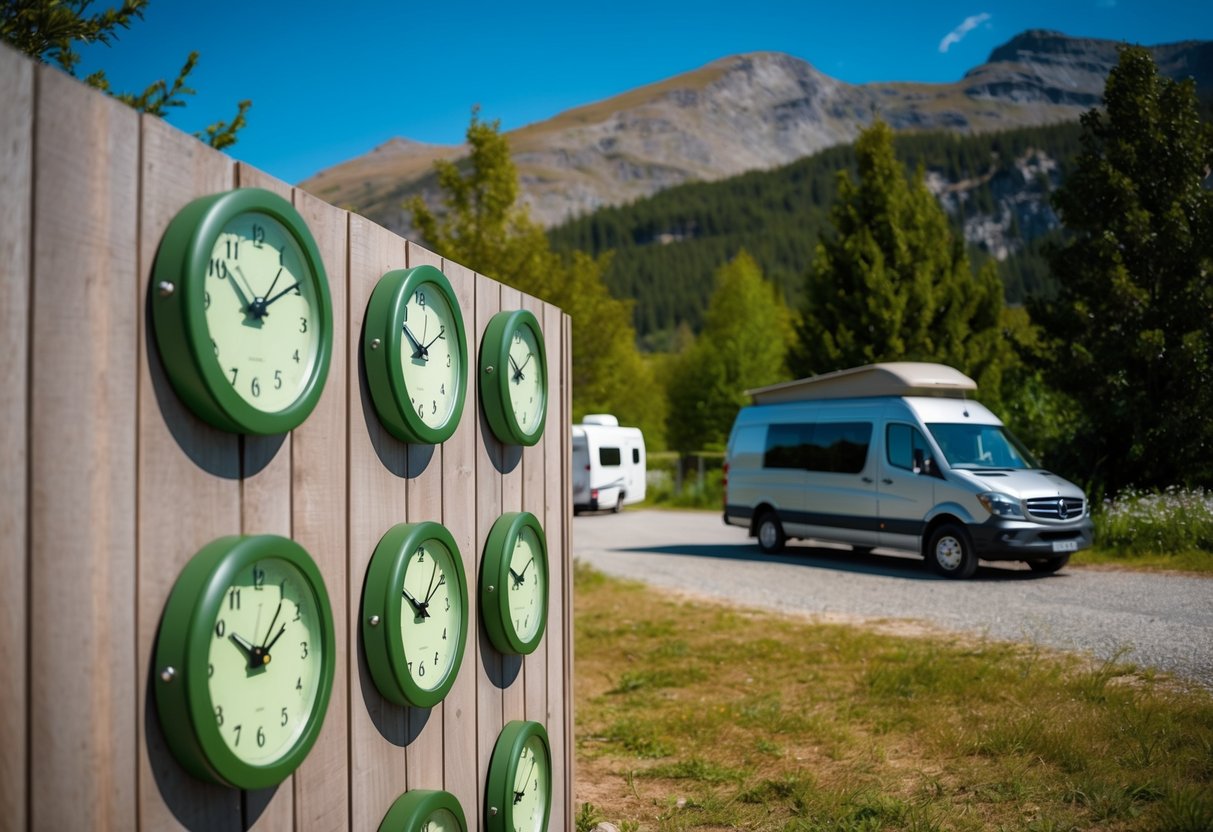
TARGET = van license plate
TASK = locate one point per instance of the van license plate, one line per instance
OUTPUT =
(1065, 546)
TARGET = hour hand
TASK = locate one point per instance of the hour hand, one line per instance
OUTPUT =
(419, 350)
(418, 607)
(243, 644)
(517, 577)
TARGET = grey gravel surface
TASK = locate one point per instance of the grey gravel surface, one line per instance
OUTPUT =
(1158, 620)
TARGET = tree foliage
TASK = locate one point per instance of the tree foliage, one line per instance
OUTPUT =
(48, 30)
(743, 345)
(481, 225)
(1131, 330)
(893, 282)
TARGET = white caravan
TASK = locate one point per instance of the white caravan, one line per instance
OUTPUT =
(608, 464)
(897, 455)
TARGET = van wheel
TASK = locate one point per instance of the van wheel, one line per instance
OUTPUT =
(1048, 565)
(618, 504)
(950, 552)
(770, 533)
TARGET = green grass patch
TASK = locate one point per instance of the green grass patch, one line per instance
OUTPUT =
(699, 716)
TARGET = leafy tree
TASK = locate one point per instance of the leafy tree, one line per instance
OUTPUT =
(482, 226)
(1131, 330)
(48, 30)
(894, 283)
(743, 345)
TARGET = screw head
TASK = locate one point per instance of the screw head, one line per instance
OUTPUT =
(375, 344)
(374, 621)
(166, 288)
(168, 674)
(489, 369)
(492, 811)
(492, 588)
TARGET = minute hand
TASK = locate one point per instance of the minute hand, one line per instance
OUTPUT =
(283, 292)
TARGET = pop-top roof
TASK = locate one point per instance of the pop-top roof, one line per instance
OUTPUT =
(897, 378)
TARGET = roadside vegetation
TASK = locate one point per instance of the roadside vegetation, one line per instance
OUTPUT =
(692, 715)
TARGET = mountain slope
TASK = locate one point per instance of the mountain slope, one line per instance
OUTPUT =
(747, 112)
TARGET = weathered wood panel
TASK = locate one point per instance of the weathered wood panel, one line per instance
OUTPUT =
(16, 201)
(83, 371)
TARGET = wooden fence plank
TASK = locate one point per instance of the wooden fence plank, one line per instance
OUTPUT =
(378, 465)
(534, 500)
(513, 697)
(189, 488)
(16, 222)
(567, 613)
(319, 522)
(489, 453)
(82, 455)
(425, 503)
(459, 496)
(556, 466)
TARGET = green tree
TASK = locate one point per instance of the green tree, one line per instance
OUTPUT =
(48, 31)
(481, 225)
(1131, 329)
(893, 282)
(743, 345)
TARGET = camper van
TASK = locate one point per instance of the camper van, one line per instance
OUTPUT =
(608, 464)
(899, 456)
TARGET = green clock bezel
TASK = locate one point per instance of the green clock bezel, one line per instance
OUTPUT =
(494, 384)
(503, 768)
(413, 807)
(494, 573)
(183, 698)
(383, 644)
(178, 317)
(384, 375)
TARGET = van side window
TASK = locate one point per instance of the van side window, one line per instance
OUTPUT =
(902, 442)
(635, 456)
(834, 447)
(609, 456)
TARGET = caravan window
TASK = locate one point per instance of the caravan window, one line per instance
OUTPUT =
(635, 456)
(833, 447)
(609, 456)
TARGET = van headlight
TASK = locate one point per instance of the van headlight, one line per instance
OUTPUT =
(1000, 505)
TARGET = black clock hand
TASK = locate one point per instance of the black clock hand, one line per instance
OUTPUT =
(524, 363)
(418, 607)
(432, 589)
(270, 646)
(242, 644)
(525, 568)
(517, 577)
(441, 334)
(255, 655)
(245, 303)
(518, 376)
(271, 629)
(270, 290)
(418, 350)
(519, 795)
(283, 292)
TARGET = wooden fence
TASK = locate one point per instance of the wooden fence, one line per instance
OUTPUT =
(110, 485)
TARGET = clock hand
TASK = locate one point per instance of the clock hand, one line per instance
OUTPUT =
(270, 290)
(271, 629)
(245, 303)
(270, 646)
(441, 334)
(518, 795)
(283, 292)
(419, 608)
(246, 286)
(418, 350)
(430, 591)
(525, 568)
(256, 656)
(517, 370)
(517, 577)
(242, 644)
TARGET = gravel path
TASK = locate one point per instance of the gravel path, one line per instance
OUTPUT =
(1162, 621)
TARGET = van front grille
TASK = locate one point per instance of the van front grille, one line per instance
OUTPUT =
(1056, 508)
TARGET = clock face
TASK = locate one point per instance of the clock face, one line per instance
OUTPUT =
(431, 614)
(265, 662)
(527, 385)
(531, 781)
(525, 587)
(441, 820)
(430, 354)
(261, 308)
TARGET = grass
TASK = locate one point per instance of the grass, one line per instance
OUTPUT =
(692, 715)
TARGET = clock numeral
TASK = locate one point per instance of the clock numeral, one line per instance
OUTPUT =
(299, 684)
(298, 291)
(258, 236)
(236, 728)
(217, 268)
(220, 628)
(303, 324)
(444, 628)
(434, 407)
(435, 658)
(278, 379)
(298, 614)
(517, 337)
(234, 373)
(210, 670)
(282, 258)
(206, 300)
(303, 647)
(420, 554)
(421, 669)
(421, 410)
(448, 359)
(260, 737)
(233, 599)
(442, 390)
(285, 719)
(448, 604)
(233, 250)
(255, 386)
(216, 346)
(219, 715)
(258, 578)
(296, 356)
(420, 298)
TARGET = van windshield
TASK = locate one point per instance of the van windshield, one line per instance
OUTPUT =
(981, 446)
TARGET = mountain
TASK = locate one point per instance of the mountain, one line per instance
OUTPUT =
(748, 112)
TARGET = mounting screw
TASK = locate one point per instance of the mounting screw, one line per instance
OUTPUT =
(491, 587)
(374, 621)
(375, 344)
(168, 674)
(492, 811)
(489, 369)
(165, 288)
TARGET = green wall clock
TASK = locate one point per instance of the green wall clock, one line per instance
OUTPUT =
(415, 352)
(514, 583)
(242, 312)
(518, 795)
(415, 614)
(244, 661)
(423, 810)
(514, 377)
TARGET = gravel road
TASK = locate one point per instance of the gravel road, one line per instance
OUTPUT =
(1162, 621)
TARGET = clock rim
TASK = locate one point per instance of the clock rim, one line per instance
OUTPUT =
(494, 383)
(385, 377)
(184, 704)
(494, 605)
(410, 809)
(179, 321)
(383, 645)
(503, 766)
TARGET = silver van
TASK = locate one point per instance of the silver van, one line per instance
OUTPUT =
(896, 455)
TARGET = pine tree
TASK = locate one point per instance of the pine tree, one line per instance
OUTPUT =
(743, 345)
(893, 282)
(1131, 330)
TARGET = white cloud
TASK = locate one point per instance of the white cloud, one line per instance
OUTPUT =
(957, 34)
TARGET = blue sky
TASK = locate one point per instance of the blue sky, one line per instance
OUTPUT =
(331, 80)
